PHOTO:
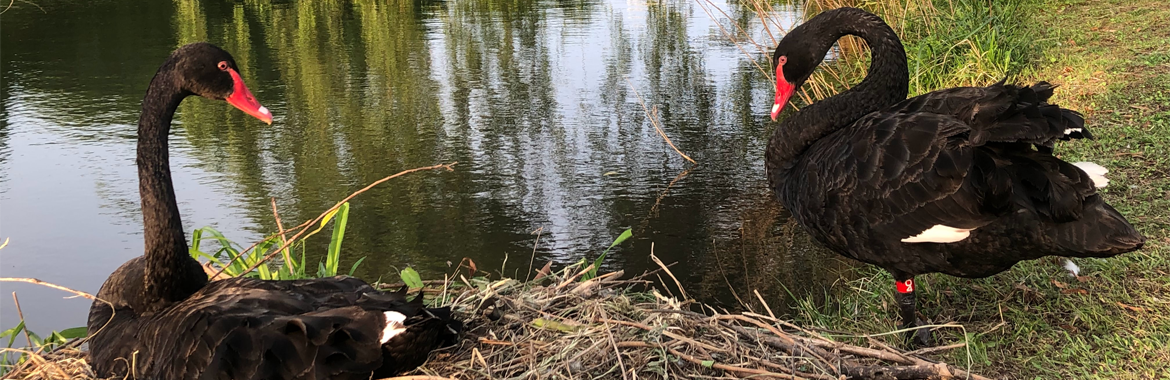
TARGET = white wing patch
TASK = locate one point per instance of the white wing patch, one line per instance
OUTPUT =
(1071, 267)
(1095, 172)
(1068, 131)
(394, 325)
(939, 234)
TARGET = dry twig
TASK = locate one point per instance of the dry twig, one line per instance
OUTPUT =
(610, 327)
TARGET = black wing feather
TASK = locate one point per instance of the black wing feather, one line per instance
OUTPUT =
(961, 157)
(305, 329)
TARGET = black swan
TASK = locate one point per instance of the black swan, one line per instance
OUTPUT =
(169, 322)
(960, 181)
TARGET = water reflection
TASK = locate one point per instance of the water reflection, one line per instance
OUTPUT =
(534, 98)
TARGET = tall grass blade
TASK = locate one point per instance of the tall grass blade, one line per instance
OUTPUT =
(12, 333)
(334, 255)
(73, 333)
(355, 266)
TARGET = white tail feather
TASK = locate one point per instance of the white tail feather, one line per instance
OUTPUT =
(1095, 172)
(395, 324)
(939, 234)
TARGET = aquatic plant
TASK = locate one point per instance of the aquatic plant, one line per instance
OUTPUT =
(235, 261)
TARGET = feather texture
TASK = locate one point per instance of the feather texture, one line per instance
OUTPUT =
(977, 160)
(961, 181)
(241, 328)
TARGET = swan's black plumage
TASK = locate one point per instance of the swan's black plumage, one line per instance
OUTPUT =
(244, 328)
(159, 311)
(864, 169)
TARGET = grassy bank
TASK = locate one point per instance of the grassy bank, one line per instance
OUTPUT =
(1035, 321)
(948, 43)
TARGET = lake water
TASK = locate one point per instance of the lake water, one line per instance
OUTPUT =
(536, 100)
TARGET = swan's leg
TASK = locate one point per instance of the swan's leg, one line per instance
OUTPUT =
(906, 304)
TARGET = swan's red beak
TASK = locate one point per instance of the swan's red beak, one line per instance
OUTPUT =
(242, 98)
(784, 91)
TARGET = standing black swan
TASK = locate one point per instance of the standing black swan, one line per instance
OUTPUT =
(960, 181)
(169, 322)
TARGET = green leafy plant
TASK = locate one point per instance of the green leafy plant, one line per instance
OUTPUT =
(411, 278)
(55, 339)
(235, 260)
(597, 263)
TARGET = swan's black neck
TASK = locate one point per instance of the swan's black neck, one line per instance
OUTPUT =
(171, 274)
(886, 83)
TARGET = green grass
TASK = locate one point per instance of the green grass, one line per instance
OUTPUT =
(237, 261)
(948, 43)
(11, 358)
(1112, 60)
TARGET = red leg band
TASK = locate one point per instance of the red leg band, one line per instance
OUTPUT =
(905, 286)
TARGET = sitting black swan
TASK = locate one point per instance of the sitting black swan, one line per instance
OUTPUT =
(960, 181)
(169, 322)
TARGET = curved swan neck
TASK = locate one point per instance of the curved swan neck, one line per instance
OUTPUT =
(886, 83)
(171, 273)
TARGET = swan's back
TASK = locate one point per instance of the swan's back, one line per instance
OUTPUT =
(977, 161)
(244, 328)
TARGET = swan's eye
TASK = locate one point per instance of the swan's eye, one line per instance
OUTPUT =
(223, 65)
(782, 60)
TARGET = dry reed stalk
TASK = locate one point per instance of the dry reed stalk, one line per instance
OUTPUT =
(280, 230)
(653, 115)
(738, 27)
(603, 326)
(47, 284)
(532, 258)
(304, 227)
(658, 201)
(20, 313)
(64, 363)
(668, 272)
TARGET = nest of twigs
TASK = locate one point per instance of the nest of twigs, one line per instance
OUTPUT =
(561, 327)
(66, 362)
(558, 326)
